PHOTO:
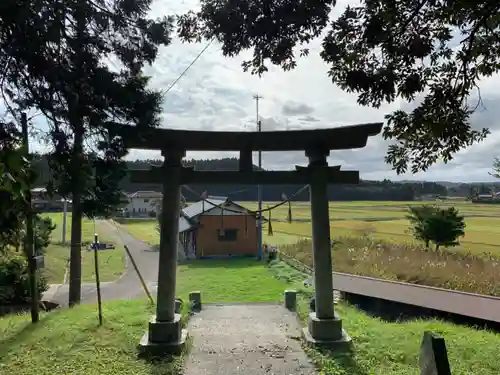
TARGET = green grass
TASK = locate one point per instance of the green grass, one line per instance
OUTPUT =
(383, 348)
(111, 262)
(144, 229)
(233, 280)
(70, 342)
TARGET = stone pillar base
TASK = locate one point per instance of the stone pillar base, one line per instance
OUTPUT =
(326, 333)
(195, 301)
(291, 300)
(163, 338)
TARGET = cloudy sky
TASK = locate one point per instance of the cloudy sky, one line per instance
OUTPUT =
(215, 94)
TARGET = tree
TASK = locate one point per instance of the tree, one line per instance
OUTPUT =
(445, 227)
(53, 54)
(15, 177)
(381, 50)
(442, 227)
(417, 216)
(496, 168)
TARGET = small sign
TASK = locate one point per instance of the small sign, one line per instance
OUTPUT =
(39, 261)
(433, 356)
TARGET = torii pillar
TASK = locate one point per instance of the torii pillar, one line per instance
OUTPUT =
(165, 333)
(324, 326)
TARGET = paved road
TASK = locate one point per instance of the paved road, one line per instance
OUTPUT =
(128, 285)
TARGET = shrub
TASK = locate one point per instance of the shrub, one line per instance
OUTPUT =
(443, 227)
(408, 263)
(43, 232)
(14, 280)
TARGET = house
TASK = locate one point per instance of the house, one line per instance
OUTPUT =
(142, 204)
(42, 202)
(487, 198)
(217, 227)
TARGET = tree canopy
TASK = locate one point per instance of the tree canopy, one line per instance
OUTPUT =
(55, 58)
(443, 227)
(432, 53)
(496, 168)
(54, 53)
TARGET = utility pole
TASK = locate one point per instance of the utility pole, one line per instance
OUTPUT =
(259, 187)
(29, 242)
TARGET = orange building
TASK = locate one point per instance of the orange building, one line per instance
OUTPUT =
(217, 227)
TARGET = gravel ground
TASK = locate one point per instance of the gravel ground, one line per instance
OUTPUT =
(246, 339)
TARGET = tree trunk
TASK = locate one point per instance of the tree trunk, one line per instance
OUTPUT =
(75, 263)
(77, 182)
(427, 244)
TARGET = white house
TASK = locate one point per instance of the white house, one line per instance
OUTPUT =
(143, 203)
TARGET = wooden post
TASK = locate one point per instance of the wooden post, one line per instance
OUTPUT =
(97, 279)
(141, 279)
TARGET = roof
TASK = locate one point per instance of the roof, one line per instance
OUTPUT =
(340, 138)
(184, 224)
(146, 194)
(190, 212)
(39, 190)
(200, 207)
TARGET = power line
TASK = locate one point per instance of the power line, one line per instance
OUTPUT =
(258, 212)
(189, 66)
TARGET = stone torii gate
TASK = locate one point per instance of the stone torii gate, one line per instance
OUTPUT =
(165, 333)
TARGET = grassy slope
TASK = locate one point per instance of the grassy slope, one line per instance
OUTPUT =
(111, 263)
(69, 341)
(383, 348)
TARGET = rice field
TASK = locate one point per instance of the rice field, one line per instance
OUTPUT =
(385, 221)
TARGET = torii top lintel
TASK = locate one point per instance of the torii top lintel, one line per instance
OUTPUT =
(340, 138)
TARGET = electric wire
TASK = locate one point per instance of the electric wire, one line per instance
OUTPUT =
(288, 199)
(165, 92)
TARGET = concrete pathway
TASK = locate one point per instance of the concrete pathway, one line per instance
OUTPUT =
(246, 339)
(128, 285)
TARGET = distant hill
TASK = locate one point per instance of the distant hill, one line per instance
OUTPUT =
(367, 190)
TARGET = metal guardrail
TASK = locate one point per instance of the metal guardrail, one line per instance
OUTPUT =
(478, 306)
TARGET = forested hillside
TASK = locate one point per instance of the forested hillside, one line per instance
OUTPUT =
(366, 190)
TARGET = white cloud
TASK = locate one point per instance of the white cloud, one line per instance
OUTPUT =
(215, 94)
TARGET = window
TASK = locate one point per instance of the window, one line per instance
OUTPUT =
(227, 234)
(146, 200)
